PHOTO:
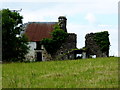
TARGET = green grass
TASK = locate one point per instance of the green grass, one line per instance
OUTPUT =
(84, 73)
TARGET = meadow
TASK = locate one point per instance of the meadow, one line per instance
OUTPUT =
(82, 73)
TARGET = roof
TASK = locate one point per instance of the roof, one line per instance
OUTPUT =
(36, 31)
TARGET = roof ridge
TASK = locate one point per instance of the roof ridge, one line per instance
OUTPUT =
(42, 22)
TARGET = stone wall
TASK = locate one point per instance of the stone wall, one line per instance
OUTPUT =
(64, 51)
(31, 54)
(92, 47)
(45, 55)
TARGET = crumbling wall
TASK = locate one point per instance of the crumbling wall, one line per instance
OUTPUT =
(31, 55)
(94, 46)
(45, 55)
(63, 52)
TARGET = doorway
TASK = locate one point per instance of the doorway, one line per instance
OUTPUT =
(39, 56)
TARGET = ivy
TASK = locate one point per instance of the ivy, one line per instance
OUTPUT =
(54, 43)
(102, 39)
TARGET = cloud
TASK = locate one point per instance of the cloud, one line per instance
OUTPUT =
(91, 18)
(58, 1)
(102, 25)
(51, 12)
(32, 17)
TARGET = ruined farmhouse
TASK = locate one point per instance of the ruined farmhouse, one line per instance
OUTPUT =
(37, 31)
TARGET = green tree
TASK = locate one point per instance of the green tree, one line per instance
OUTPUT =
(54, 43)
(14, 45)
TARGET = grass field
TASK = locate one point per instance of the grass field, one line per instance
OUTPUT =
(84, 73)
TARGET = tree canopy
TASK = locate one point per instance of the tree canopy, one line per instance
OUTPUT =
(14, 45)
(54, 43)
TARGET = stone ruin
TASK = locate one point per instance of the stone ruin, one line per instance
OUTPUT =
(65, 50)
(96, 44)
(68, 49)
(93, 48)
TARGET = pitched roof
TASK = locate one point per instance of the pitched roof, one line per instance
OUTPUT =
(36, 31)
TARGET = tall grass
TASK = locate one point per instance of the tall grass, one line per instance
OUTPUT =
(0, 76)
(84, 73)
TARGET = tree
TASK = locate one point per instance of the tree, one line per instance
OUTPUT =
(14, 45)
(54, 43)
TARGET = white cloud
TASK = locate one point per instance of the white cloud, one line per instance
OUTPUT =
(52, 13)
(90, 17)
(74, 6)
(102, 25)
(31, 17)
(36, 0)
(57, 0)
(69, 9)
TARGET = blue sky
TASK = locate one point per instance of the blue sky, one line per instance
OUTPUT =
(84, 16)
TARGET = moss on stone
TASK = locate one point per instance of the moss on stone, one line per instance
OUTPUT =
(102, 39)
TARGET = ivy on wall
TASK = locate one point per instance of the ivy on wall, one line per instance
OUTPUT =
(102, 39)
(58, 37)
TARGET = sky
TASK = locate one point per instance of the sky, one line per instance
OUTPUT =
(83, 16)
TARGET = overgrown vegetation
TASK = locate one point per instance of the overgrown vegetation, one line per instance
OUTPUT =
(54, 43)
(14, 45)
(84, 73)
(102, 39)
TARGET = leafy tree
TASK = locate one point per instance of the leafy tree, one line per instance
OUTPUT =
(58, 37)
(14, 45)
